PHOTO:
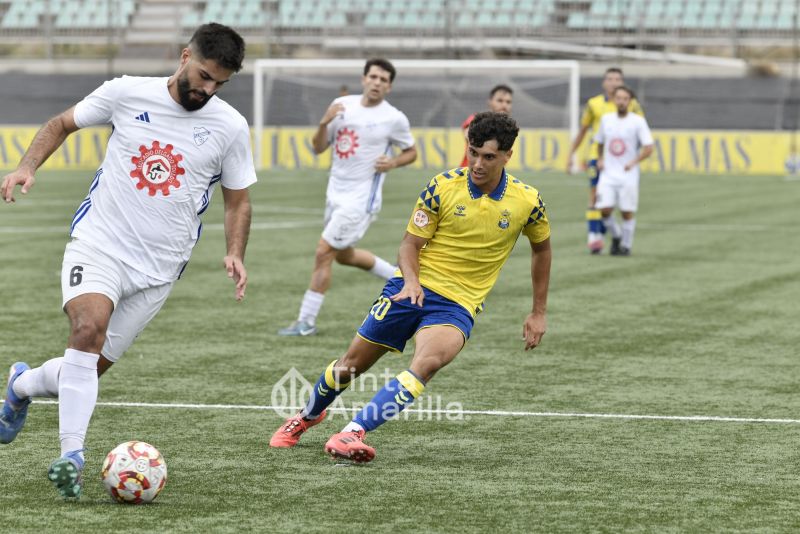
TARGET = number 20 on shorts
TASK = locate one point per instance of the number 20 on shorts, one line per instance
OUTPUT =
(380, 308)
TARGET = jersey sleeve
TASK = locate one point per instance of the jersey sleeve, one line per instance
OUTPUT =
(98, 107)
(238, 171)
(467, 122)
(538, 226)
(635, 107)
(401, 133)
(644, 134)
(425, 218)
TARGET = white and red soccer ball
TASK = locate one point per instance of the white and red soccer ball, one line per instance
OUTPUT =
(134, 472)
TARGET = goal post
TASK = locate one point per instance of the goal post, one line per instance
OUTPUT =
(434, 94)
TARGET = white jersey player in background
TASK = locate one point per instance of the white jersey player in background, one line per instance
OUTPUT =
(173, 140)
(362, 129)
(619, 138)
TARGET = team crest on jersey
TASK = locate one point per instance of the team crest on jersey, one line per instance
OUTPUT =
(420, 219)
(503, 223)
(616, 147)
(157, 169)
(460, 209)
(346, 143)
(200, 135)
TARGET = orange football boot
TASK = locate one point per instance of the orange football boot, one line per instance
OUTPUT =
(350, 446)
(289, 433)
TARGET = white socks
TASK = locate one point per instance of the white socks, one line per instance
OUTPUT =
(352, 427)
(40, 382)
(383, 269)
(611, 225)
(309, 309)
(628, 227)
(77, 396)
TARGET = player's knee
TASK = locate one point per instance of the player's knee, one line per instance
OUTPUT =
(87, 335)
(345, 257)
(324, 254)
(427, 367)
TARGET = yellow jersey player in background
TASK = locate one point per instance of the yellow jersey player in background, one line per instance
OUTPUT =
(596, 107)
(463, 228)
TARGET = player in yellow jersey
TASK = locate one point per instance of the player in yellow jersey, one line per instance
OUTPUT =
(464, 227)
(596, 107)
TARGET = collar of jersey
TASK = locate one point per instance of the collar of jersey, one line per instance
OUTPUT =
(498, 192)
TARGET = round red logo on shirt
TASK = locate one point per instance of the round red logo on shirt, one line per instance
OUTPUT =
(616, 147)
(346, 143)
(157, 169)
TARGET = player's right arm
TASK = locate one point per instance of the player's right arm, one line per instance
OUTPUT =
(47, 140)
(321, 139)
(575, 144)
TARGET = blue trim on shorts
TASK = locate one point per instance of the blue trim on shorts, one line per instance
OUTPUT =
(595, 177)
(392, 324)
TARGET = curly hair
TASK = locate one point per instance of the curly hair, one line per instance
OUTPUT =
(489, 125)
(219, 43)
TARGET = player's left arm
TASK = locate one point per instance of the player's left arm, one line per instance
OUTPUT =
(537, 230)
(385, 163)
(536, 321)
(408, 261)
(399, 136)
(237, 230)
(646, 140)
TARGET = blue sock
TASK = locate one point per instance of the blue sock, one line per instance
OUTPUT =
(390, 401)
(594, 221)
(324, 393)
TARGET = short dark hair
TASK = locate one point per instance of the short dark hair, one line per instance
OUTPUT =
(626, 89)
(488, 125)
(381, 63)
(501, 88)
(219, 43)
(616, 70)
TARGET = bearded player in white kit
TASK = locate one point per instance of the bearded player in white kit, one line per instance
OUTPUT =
(619, 139)
(362, 130)
(172, 141)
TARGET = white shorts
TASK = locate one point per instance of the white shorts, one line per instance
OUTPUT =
(621, 194)
(136, 296)
(344, 226)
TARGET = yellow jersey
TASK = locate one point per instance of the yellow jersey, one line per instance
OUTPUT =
(596, 107)
(471, 234)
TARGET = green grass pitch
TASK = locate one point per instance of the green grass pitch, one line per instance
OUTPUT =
(701, 320)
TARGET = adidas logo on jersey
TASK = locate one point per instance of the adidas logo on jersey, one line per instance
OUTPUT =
(144, 117)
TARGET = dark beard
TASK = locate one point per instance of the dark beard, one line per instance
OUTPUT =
(185, 95)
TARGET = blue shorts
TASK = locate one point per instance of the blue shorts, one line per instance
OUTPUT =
(595, 177)
(391, 323)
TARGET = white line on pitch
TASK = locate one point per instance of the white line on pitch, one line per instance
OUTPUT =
(496, 413)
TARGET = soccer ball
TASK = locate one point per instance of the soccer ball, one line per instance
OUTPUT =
(134, 472)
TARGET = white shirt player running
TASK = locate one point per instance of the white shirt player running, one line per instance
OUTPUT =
(622, 137)
(358, 137)
(161, 166)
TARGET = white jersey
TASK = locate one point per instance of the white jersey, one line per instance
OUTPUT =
(622, 137)
(358, 137)
(161, 166)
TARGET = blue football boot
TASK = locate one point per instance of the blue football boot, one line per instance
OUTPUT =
(15, 409)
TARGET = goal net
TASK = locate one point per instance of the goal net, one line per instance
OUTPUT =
(290, 97)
